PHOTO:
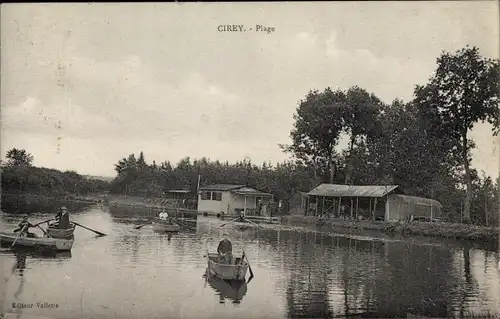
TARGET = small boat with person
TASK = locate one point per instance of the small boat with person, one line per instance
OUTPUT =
(236, 271)
(164, 223)
(226, 267)
(58, 244)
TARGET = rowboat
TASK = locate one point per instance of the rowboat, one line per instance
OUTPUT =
(234, 290)
(235, 271)
(61, 233)
(59, 244)
(161, 225)
(242, 225)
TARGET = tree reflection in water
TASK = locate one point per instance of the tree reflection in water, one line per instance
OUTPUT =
(366, 278)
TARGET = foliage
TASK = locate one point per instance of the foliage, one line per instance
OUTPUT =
(24, 178)
(18, 157)
(317, 129)
(283, 180)
(320, 121)
(462, 92)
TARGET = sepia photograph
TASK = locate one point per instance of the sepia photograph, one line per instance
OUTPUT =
(250, 160)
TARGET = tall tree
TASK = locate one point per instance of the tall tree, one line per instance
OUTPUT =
(19, 157)
(317, 128)
(462, 92)
(360, 112)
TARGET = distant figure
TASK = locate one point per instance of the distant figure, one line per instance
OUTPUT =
(62, 219)
(225, 250)
(259, 207)
(163, 215)
(24, 226)
(241, 218)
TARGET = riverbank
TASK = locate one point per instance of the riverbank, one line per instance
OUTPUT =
(446, 230)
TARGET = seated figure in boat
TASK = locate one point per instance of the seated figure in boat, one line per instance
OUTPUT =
(24, 227)
(164, 216)
(241, 218)
(62, 219)
(225, 250)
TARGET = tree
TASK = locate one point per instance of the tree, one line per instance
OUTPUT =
(359, 121)
(317, 128)
(462, 92)
(19, 157)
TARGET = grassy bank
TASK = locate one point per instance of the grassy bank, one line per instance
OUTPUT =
(446, 230)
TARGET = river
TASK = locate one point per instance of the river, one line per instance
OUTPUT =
(142, 274)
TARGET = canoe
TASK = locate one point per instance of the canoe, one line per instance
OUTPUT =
(234, 290)
(165, 226)
(48, 243)
(236, 271)
(61, 233)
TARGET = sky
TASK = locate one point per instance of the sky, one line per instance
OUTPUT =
(84, 85)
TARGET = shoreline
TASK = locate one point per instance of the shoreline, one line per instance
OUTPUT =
(487, 235)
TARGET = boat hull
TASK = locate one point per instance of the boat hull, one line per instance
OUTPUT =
(241, 225)
(57, 244)
(65, 233)
(165, 226)
(236, 271)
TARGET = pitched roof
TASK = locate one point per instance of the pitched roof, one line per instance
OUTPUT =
(250, 191)
(334, 190)
(419, 200)
(220, 187)
(184, 191)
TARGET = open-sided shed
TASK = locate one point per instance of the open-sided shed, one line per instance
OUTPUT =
(349, 200)
(385, 202)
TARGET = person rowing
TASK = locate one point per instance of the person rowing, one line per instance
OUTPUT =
(225, 249)
(24, 227)
(62, 219)
(163, 215)
(241, 218)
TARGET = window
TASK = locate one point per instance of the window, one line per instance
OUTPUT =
(217, 196)
(205, 195)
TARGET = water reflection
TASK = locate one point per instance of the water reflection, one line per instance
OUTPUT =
(231, 290)
(297, 274)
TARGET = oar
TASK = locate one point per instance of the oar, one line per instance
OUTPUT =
(249, 267)
(45, 221)
(248, 220)
(20, 232)
(140, 226)
(178, 222)
(95, 231)
(229, 222)
(43, 230)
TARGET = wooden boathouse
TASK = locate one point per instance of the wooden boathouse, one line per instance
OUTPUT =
(376, 202)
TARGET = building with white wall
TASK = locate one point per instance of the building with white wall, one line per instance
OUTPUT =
(231, 199)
